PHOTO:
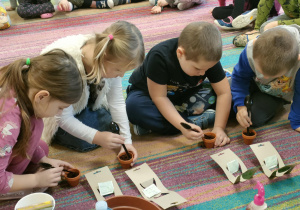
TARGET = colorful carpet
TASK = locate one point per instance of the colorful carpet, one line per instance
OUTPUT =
(179, 163)
(189, 170)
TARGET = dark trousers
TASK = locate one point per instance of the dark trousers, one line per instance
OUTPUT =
(143, 112)
(34, 8)
(99, 119)
(264, 106)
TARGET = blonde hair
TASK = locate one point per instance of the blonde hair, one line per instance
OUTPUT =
(201, 40)
(126, 45)
(276, 50)
(55, 71)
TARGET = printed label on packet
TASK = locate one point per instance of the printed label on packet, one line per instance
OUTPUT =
(151, 191)
(106, 188)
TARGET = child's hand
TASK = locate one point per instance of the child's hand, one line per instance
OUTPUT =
(49, 177)
(56, 163)
(130, 148)
(271, 25)
(190, 134)
(222, 138)
(108, 140)
(64, 5)
(242, 117)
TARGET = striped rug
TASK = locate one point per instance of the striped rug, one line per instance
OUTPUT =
(180, 164)
(186, 168)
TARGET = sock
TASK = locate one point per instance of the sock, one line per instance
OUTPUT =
(104, 4)
(237, 10)
(71, 7)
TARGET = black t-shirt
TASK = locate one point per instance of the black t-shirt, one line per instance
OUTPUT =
(161, 65)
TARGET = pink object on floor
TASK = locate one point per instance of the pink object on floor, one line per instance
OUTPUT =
(222, 3)
(47, 15)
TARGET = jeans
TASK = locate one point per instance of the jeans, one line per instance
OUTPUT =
(264, 106)
(143, 112)
(99, 120)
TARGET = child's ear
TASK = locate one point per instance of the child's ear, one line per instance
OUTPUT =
(298, 57)
(180, 52)
(41, 96)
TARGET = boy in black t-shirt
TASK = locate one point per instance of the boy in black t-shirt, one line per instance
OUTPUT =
(170, 86)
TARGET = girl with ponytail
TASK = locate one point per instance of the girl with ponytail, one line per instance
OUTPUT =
(102, 59)
(32, 89)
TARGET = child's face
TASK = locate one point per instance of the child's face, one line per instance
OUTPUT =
(115, 69)
(193, 68)
(45, 106)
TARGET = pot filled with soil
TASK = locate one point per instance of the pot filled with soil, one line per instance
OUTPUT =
(125, 160)
(209, 139)
(249, 136)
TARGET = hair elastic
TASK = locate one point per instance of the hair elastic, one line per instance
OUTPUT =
(28, 61)
(110, 37)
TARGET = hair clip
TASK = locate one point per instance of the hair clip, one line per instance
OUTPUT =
(110, 36)
(28, 61)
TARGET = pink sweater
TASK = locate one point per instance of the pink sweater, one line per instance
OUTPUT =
(10, 122)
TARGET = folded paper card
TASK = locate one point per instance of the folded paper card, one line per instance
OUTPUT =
(230, 163)
(269, 159)
(144, 178)
(102, 180)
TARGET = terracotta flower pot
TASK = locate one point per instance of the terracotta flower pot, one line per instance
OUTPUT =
(72, 178)
(249, 139)
(126, 202)
(209, 139)
(123, 159)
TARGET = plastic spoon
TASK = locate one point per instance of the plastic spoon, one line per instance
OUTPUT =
(248, 103)
(115, 129)
(48, 166)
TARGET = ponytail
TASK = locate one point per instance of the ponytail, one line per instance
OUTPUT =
(122, 41)
(14, 77)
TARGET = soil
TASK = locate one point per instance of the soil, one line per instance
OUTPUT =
(208, 137)
(72, 174)
(125, 157)
(250, 134)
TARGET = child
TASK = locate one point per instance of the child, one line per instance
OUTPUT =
(225, 15)
(290, 16)
(102, 60)
(35, 8)
(181, 4)
(30, 90)
(70, 5)
(268, 71)
(169, 87)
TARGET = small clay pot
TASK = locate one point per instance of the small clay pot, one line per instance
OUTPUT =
(209, 139)
(249, 139)
(123, 159)
(72, 178)
(127, 202)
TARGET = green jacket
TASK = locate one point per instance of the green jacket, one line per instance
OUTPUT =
(290, 8)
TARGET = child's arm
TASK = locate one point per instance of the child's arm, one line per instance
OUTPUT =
(45, 178)
(240, 83)
(117, 108)
(158, 94)
(72, 125)
(223, 106)
(294, 115)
